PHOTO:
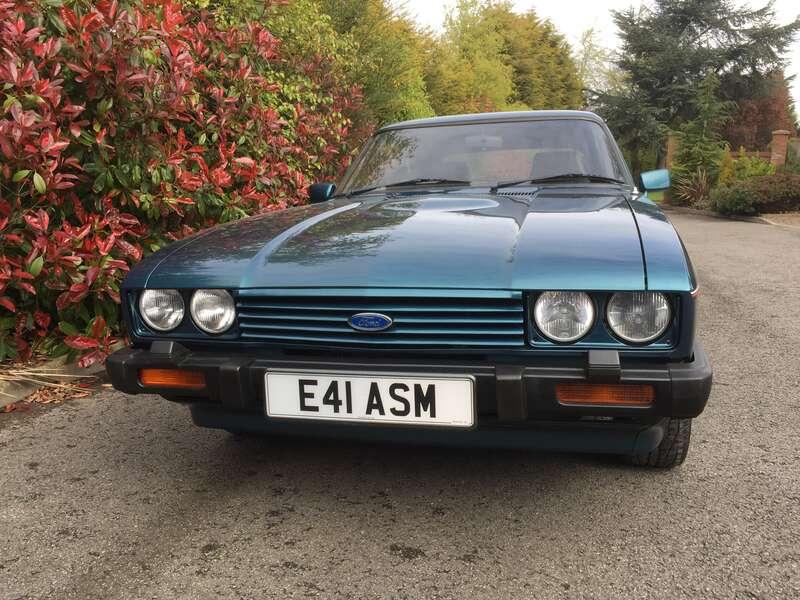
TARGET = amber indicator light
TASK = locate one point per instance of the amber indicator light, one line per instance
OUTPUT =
(591, 394)
(172, 378)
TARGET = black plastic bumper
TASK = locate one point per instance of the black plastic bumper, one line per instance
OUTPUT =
(516, 402)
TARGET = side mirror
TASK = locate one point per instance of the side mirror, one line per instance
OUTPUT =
(656, 180)
(320, 192)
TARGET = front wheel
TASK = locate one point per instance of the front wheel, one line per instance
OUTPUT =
(672, 450)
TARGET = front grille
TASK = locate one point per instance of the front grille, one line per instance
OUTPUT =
(480, 320)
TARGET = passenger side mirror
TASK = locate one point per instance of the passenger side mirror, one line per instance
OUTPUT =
(656, 180)
(320, 192)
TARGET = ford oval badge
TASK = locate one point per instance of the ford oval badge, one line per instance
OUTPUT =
(370, 322)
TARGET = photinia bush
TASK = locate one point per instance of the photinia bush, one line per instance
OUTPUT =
(127, 126)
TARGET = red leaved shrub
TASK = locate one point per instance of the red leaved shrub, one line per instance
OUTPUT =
(124, 129)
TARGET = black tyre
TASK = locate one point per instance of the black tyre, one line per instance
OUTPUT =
(672, 450)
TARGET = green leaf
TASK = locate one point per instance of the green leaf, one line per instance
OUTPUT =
(36, 266)
(60, 350)
(68, 328)
(105, 105)
(99, 183)
(39, 184)
(20, 175)
(56, 21)
(149, 56)
(7, 351)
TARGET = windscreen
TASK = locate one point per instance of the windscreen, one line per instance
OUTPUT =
(486, 153)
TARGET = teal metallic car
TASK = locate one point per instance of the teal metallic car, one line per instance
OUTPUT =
(492, 279)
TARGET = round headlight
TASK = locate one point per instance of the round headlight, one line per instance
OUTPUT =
(213, 311)
(639, 317)
(564, 316)
(162, 310)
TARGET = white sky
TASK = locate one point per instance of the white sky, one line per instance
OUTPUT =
(573, 17)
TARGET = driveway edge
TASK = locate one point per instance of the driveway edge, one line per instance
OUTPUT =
(12, 392)
(707, 213)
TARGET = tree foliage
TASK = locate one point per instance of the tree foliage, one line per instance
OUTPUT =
(544, 72)
(388, 61)
(701, 145)
(492, 58)
(597, 68)
(670, 47)
(759, 114)
(468, 70)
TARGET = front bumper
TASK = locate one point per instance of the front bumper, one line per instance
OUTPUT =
(516, 401)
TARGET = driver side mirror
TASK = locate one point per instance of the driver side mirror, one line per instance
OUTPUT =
(656, 180)
(320, 192)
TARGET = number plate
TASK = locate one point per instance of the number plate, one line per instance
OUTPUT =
(386, 398)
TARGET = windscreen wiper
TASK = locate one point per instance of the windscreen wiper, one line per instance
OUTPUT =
(409, 182)
(562, 177)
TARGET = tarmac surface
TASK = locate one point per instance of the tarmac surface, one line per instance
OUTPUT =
(121, 497)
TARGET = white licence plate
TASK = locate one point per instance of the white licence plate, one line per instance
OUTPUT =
(395, 399)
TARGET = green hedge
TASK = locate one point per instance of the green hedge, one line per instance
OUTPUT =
(768, 194)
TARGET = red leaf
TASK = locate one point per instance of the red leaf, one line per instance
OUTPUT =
(104, 246)
(26, 286)
(245, 160)
(82, 342)
(98, 327)
(7, 303)
(91, 276)
(42, 319)
(87, 360)
(129, 249)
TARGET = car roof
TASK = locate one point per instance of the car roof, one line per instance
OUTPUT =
(495, 117)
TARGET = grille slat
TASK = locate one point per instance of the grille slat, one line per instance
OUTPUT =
(429, 322)
(277, 316)
(398, 330)
(367, 306)
(372, 341)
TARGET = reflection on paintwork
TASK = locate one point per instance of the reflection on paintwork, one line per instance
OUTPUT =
(342, 237)
(219, 256)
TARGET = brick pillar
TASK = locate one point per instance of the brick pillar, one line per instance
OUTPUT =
(672, 147)
(779, 147)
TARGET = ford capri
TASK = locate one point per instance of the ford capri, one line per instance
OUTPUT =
(494, 280)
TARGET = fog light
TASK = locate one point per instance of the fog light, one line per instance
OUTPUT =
(590, 394)
(172, 378)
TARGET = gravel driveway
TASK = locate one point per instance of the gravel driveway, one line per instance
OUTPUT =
(119, 497)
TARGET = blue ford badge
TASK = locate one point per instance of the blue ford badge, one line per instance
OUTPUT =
(370, 322)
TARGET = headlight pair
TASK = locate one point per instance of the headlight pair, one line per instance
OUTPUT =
(635, 317)
(213, 311)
